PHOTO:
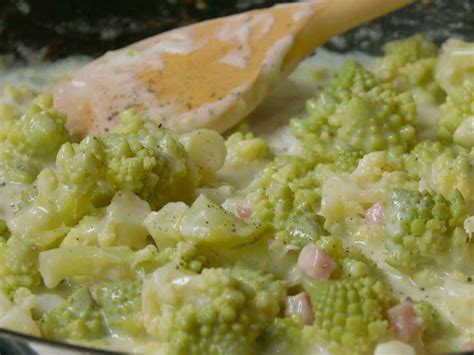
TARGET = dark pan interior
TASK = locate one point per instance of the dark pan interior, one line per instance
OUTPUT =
(56, 29)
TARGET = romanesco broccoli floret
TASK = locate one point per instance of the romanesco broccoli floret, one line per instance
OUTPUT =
(407, 56)
(437, 330)
(18, 265)
(455, 66)
(288, 192)
(4, 231)
(78, 318)
(283, 336)
(430, 316)
(270, 292)
(423, 228)
(351, 79)
(139, 157)
(349, 315)
(29, 138)
(457, 119)
(351, 262)
(207, 313)
(186, 255)
(441, 168)
(243, 148)
(121, 305)
(356, 112)
(246, 156)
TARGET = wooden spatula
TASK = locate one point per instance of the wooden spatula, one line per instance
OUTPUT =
(210, 74)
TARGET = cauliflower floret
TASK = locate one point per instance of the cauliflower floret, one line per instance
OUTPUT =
(29, 137)
(212, 312)
(78, 318)
(350, 315)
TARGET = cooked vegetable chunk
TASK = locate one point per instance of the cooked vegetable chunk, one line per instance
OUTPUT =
(30, 137)
(350, 315)
(357, 112)
(212, 312)
(427, 230)
(78, 318)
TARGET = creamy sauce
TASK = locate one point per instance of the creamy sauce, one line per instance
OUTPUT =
(9, 197)
(269, 121)
(238, 30)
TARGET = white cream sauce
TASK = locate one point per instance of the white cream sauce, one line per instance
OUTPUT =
(181, 42)
(453, 296)
(9, 197)
(238, 30)
(269, 121)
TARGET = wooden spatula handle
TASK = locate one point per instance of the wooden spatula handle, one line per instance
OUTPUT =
(333, 17)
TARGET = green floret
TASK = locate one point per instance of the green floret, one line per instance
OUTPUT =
(208, 313)
(246, 154)
(288, 192)
(78, 318)
(438, 332)
(138, 157)
(457, 119)
(357, 112)
(186, 255)
(426, 230)
(270, 292)
(29, 138)
(430, 316)
(121, 304)
(350, 315)
(18, 265)
(404, 54)
(283, 336)
(4, 231)
(351, 262)
(441, 168)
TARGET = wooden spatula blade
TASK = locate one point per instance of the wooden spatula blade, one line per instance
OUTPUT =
(208, 75)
